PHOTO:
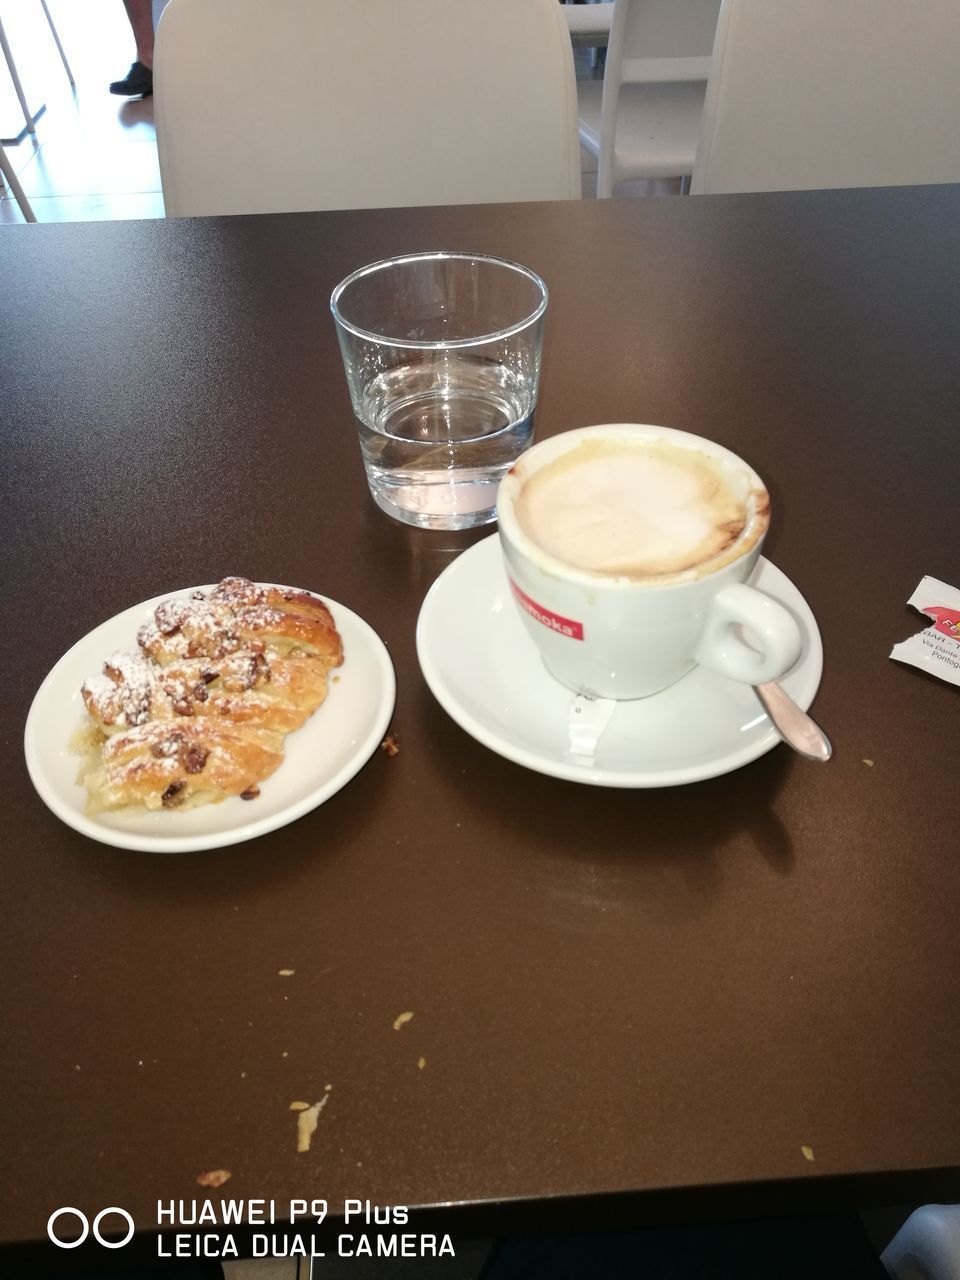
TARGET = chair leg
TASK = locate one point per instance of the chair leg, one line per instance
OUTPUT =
(605, 178)
(4, 45)
(6, 168)
(56, 41)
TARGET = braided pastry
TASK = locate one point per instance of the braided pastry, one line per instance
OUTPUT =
(166, 765)
(199, 712)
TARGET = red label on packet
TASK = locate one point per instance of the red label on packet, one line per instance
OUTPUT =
(936, 650)
(946, 621)
(553, 621)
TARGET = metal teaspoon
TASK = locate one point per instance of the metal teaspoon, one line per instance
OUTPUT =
(795, 726)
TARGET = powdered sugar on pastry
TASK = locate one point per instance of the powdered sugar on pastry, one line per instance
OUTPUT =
(199, 713)
(122, 693)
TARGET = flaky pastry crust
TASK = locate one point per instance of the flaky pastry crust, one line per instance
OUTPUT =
(199, 712)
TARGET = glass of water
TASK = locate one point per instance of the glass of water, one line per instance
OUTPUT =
(442, 355)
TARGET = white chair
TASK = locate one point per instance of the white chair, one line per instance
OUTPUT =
(832, 93)
(327, 104)
(927, 1246)
(644, 120)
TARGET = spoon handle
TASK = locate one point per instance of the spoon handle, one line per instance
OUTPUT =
(795, 726)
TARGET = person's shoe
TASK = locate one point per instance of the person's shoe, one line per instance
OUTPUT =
(138, 81)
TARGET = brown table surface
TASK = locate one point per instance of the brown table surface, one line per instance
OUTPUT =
(633, 1005)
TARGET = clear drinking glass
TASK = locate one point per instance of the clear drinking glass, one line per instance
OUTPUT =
(442, 356)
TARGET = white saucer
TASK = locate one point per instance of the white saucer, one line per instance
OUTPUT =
(319, 758)
(485, 671)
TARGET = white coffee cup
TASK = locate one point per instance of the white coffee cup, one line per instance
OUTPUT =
(628, 550)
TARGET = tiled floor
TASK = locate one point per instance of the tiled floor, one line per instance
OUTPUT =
(94, 156)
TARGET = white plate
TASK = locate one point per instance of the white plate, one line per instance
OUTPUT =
(319, 758)
(485, 671)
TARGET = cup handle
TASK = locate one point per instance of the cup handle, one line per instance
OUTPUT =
(773, 627)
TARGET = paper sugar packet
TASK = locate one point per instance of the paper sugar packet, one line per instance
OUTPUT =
(937, 649)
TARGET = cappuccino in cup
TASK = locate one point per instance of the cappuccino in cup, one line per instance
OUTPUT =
(637, 509)
(628, 549)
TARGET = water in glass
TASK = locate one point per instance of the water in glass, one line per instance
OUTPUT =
(437, 435)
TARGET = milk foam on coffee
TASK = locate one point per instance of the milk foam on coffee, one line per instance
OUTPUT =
(632, 509)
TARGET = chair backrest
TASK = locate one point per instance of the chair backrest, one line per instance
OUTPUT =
(284, 105)
(653, 42)
(832, 93)
(660, 41)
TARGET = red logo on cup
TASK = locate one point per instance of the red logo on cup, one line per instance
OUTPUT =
(553, 621)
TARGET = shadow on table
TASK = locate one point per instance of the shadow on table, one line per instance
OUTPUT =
(672, 846)
(238, 870)
(819, 1248)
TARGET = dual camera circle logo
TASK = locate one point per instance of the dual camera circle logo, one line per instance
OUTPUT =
(86, 1228)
